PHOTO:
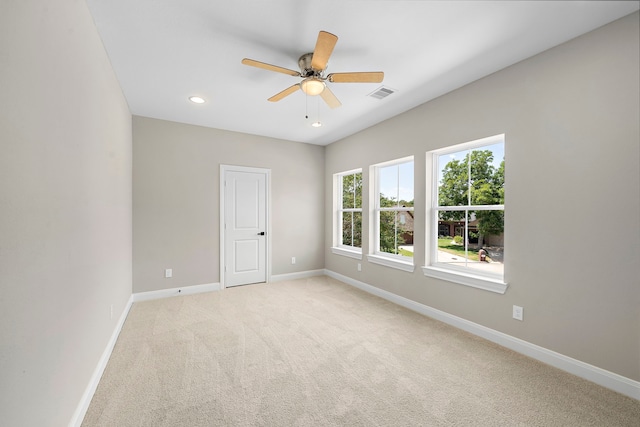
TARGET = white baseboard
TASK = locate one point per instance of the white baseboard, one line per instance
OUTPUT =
(174, 292)
(589, 372)
(297, 275)
(85, 401)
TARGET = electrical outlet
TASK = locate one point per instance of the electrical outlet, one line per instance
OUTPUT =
(518, 312)
(168, 273)
(293, 260)
(359, 267)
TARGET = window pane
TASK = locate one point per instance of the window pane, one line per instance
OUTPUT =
(396, 185)
(348, 184)
(486, 239)
(396, 233)
(358, 190)
(487, 175)
(357, 229)
(452, 246)
(477, 243)
(405, 233)
(352, 229)
(388, 232)
(347, 228)
(388, 184)
(453, 179)
(405, 184)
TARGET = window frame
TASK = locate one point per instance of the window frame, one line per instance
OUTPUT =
(376, 256)
(432, 268)
(339, 248)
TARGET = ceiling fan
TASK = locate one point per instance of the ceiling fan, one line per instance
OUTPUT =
(312, 66)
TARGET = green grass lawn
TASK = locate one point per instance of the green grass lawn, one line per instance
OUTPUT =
(405, 253)
(445, 245)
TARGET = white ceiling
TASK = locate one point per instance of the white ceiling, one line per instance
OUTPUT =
(164, 51)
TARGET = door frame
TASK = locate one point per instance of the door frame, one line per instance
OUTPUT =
(267, 172)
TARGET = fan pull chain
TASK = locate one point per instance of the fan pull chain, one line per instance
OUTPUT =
(317, 123)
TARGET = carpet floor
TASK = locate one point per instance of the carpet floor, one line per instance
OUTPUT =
(317, 352)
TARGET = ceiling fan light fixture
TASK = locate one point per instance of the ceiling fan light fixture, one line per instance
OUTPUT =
(312, 86)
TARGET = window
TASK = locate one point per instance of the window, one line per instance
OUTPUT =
(393, 214)
(348, 223)
(466, 231)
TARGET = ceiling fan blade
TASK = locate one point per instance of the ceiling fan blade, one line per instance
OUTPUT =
(324, 46)
(330, 98)
(288, 91)
(367, 77)
(264, 65)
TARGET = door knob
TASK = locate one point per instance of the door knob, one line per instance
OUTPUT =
(261, 233)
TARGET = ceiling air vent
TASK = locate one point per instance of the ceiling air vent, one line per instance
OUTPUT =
(382, 92)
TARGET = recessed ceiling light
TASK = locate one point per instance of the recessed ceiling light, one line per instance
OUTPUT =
(316, 124)
(197, 99)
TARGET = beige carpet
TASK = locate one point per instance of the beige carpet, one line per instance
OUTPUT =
(316, 352)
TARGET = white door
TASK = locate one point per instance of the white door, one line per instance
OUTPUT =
(245, 226)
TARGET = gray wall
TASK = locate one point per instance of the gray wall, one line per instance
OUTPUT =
(570, 116)
(176, 201)
(65, 208)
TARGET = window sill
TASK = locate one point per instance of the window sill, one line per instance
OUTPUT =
(486, 283)
(390, 262)
(347, 252)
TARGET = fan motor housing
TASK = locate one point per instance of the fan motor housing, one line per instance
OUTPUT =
(305, 66)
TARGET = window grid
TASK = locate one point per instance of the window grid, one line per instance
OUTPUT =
(354, 242)
(468, 208)
(396, 209)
